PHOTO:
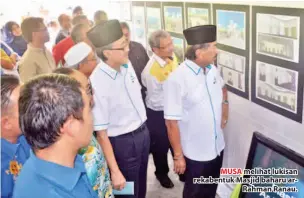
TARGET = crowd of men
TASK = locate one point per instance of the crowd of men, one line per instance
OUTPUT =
(81, 121)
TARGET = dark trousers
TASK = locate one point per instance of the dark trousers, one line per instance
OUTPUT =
(160, 144)
(131, 151)
(196, 169)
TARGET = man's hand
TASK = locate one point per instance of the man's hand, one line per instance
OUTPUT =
(179, 165)
(225, 112)
(118, 180)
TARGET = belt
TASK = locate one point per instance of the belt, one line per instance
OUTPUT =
(136, 131)
(139, 129)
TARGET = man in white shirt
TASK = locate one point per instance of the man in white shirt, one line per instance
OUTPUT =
(156, 72)
(196, 111)
(81, 57)
(119, 111)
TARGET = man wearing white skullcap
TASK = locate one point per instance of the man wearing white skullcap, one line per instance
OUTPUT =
(82, 58)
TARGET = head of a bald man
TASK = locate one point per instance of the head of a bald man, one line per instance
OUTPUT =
(65, 22)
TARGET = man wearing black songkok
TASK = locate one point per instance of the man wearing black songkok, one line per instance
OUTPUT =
(119, 111)
(196, 111)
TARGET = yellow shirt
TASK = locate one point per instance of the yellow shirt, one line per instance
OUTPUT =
(153, 76)
(4, 56)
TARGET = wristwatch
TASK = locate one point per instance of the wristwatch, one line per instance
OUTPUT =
(225, 102)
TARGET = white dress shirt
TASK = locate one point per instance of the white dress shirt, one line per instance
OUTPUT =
(119, 107)
(194, 98)
(153, 76)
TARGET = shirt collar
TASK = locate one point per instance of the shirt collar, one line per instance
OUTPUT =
(65, 32)
(64, 176)
(160, 61)
(108, 70)
(9, 148)
(194, 67)
(35, 49)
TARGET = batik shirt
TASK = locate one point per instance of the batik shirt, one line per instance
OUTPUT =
(13, 156)
(97, 169)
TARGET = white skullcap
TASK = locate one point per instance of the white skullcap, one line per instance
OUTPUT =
(77, 53)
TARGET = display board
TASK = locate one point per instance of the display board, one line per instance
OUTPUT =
(233, 26)
(173, 15)
(154, 20)
(139, 22)
(271, 52)
(277, 64)
(197, 14)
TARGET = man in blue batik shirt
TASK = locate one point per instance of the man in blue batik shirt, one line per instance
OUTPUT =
(56, 119)
(14, 148)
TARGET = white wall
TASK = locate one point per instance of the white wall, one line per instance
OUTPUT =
(247, 117)
(55, 9)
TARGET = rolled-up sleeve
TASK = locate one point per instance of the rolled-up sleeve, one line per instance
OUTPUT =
(173, 109)
(100, 113)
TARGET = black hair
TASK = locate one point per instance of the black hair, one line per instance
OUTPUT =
(190, 52)
(30, 25)
(45, 104)
(8, 84)
(124, 25)
(100, 52)
(77, 9)
(9, 25)
(64, 70)
(61, 17)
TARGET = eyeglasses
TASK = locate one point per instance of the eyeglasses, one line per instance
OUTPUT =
(168, 45)
(93, 59)
(89, 88)
(121, 49)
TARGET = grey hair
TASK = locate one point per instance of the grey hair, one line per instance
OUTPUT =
(190, 53)
(99, 51)
(154, 39)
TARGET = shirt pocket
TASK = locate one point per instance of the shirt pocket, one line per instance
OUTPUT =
(196, 96)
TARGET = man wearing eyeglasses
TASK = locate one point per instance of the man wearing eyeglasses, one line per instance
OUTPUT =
(37, 59)
(157, 70)
(119, 111)
(82, 58)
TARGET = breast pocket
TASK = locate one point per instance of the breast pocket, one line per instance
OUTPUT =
(196, 96)
(215, 90)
